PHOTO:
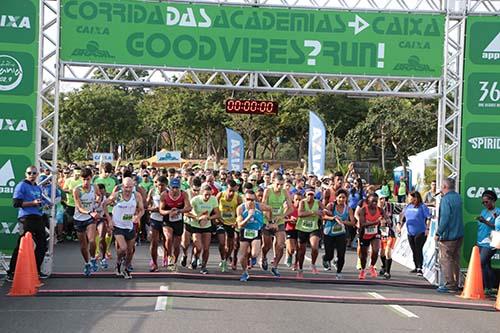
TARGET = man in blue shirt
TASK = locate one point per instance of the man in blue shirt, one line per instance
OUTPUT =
(28, 198)
(450, 234)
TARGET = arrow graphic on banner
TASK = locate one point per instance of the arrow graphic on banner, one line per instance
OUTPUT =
(358, 24)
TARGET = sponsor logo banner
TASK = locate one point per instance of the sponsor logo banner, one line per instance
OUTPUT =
(12, 168)
(16, 73)
(210, 36)
(9, 229)
(317, 145)
(483, 93)
(18, 22)
(16, 125)
(104, 157)
(485, 46)
(168, 156)
(235, 150)
(475, 183)
(483, 143)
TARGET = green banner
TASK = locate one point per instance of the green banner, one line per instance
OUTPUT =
(480, 163)
(205, 36)
(18, 100)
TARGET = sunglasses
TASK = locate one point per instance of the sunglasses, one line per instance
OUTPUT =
(250, 199)
(31, 173)
(196, 190)
(308, 194)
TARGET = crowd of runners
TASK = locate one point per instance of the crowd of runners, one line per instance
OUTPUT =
(259, 217)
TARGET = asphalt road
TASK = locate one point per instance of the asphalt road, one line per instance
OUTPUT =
(180, 314)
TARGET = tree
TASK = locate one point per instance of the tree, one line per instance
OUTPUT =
(407, 126)
(96, 117)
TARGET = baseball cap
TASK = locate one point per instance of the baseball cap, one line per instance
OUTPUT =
(175, 183)
(381, 194)
(254, 166)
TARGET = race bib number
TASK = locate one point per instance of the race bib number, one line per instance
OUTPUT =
(276, 211)
(308, 224)
(176, 218)
(384, 231)
(338, 228)
(250, 234)
(127, 217)
(227, 215)
(371, 230)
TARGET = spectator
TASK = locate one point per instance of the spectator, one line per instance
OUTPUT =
(450, 235)
(486, 224)
(416, 215)
(401, 190)
(430, 196)
(28, 199)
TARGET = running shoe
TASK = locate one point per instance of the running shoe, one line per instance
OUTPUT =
(244, 277)
(314, 270)
(130, 268)
(289, 260)
(126, 274)
(95, 267)
(223, 267)
(419, 272)
(373, 272)
(387, 275)
(253, 261)
(382, 271)
(413, 271)
(263, 264)
(104, 263)
(442, 289)
(338, 276)
(171, 260)
(9, 277)
(118, 269)
(87, 269)
(326, 264)
(204, 271)
(194, 263)
(300, 274)
(275, 271)
(184, 261)
(154, 268)
(362, 274)
(43, 276)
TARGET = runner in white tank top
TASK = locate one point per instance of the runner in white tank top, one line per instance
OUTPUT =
(127, 211)
(85, 218)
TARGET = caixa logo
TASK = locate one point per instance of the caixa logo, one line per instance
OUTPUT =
(476, 192)
(92, 50)
(9, 228)
(487, 143)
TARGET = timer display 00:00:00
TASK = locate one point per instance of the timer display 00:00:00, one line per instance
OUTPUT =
(251, 106)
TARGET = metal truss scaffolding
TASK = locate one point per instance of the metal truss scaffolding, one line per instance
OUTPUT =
(448, 88)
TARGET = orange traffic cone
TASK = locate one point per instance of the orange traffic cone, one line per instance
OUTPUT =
(497, 304)
(32, 260)
(24, 284)
(473, 287)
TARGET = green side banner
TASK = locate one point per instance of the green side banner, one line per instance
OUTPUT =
(220, 37)
(18, 98)
(480, 162)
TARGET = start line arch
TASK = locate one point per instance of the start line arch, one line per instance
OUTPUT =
(442, 78)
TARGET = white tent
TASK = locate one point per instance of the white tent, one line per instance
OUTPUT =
(417, 164)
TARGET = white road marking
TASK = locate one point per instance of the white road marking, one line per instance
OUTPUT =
(161, 301)
(397, 308)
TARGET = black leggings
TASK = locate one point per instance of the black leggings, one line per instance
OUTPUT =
(417, 244)
(35, 225)
(333, 243)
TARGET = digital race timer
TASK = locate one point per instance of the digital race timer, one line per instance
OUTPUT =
(248, 106)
